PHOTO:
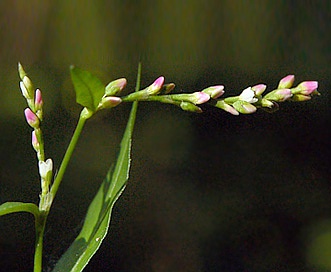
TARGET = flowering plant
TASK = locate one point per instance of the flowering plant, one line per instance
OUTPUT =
(93, 96)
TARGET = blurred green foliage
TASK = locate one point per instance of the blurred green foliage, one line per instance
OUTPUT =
(230, 193)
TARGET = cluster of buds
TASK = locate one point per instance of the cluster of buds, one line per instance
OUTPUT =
(109, 100)
(34, 115)
(247, 102)
(158, 91)
(252, 98)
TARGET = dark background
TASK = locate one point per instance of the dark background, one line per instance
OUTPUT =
(207, 192)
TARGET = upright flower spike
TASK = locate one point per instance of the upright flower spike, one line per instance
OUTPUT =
(286, 82)
(248, 95)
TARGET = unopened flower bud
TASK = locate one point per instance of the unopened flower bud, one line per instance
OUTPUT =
(187, 106)
(167, 88)
(24, 90)
(286, 82)
(214, 91)
(266, 103)
(199, 98)
(109, 102)
(31, 118)
(247, 95)
(273, 108)
(38, 104)
(244, 107)
(279, 95)
(305, 88)
(259, 89)
(115, 87)
(29, 86)
(300, 97)
(38, 101)
(35, 142)
(224, 106)
(155, 88)
(21, 71)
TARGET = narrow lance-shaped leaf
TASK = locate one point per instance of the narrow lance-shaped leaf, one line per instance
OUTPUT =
(98, 216)
(89, 89)
(12, 207)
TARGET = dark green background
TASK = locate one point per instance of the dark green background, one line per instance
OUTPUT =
(208, 192)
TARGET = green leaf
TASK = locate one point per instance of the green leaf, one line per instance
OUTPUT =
(98, 216)
(89, 89)
(12, 207)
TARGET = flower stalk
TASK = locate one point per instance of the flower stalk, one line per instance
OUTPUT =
(247, 102)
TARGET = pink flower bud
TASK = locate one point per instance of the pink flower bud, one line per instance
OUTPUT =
(279, 95)
(38, 101)
(200, 98)
(259, 89)
(35, 142)
(224, 106)
(214, 91)
(283, 94)
(31, 118)
(307, 87)
(109, 102)
(286, 82)
(155, 88)
(115, 86)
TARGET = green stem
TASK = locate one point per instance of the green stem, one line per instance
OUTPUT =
(40, 222)
(67, 156)
(140, 96)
